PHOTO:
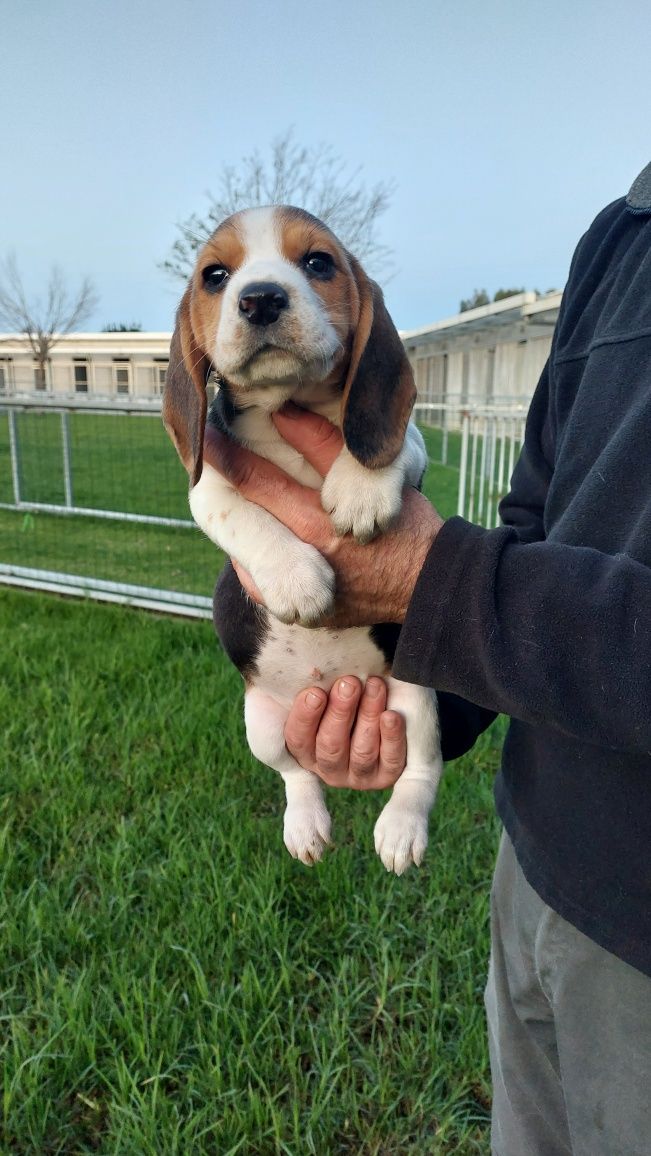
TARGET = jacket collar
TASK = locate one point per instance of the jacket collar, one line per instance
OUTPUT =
(639, 194)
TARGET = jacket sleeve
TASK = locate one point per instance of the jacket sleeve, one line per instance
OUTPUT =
(553, 635)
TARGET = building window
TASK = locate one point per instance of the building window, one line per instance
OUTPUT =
(121, 376)
(160, 376)
(5, 374)
(81, 376)
(40, 381)
(465, 377)
(490, 374)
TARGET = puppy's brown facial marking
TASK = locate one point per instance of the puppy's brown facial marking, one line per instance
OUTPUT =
(224, 250)
(273, 301)
(308, 244)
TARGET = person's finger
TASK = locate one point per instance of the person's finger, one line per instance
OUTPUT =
(393, 746)
(230, 459)
(315, 438)
(365, 739)
(302, 725)
(261, 482)
(333, 736)
(253, 476)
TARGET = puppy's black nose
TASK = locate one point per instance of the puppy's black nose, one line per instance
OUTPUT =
(262, 302)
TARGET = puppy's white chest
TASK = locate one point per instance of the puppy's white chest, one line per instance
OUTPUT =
(292, 658)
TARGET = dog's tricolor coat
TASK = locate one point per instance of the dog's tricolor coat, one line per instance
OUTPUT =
(278, 310)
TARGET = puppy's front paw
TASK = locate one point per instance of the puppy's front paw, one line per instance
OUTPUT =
(401, 837)
(306, 832)
(300, 587)
(360, 501)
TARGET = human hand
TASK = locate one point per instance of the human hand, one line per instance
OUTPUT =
(375, 581)
(348, 738)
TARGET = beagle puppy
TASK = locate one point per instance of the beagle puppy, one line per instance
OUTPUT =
(277, 309)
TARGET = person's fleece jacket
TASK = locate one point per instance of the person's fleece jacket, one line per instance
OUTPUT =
(548, 619)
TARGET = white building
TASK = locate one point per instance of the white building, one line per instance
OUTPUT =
(488, 355)
(104, 365)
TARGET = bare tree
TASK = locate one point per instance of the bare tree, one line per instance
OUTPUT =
(311, 178)
(42, 323)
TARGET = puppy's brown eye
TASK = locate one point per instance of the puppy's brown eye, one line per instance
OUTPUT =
(214, 277)
(319, 265)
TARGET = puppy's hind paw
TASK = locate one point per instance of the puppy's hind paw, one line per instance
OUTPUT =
(401, 837)
(306, 833)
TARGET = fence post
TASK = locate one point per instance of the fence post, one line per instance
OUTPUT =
(512, 437)
(470, 513)
(14, 454)
(67, 468)
(463, 465)
(498, 485)
(485, 445)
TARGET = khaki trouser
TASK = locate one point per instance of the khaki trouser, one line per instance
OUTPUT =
(569, 1033)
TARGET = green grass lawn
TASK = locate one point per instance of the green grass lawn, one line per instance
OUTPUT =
(156, 556)
(127, 464)
(172, 981)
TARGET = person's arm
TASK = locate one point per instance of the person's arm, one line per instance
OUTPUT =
(554, 635)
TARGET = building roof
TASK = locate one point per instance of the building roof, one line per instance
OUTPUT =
(521, 307)
(126, 344)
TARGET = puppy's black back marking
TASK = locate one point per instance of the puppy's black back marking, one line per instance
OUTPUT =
(242, 626)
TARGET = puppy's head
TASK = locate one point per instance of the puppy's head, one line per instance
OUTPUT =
(276, 303)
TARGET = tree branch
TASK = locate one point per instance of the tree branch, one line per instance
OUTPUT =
(312, 178)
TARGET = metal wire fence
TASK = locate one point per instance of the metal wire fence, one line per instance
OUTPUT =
(483, 443)
(491, 439)
(93, 500)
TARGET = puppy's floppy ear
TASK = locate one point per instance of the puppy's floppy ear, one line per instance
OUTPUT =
(379, 392)
(184, 399)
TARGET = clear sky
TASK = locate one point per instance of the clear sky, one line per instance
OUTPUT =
(506, 125)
